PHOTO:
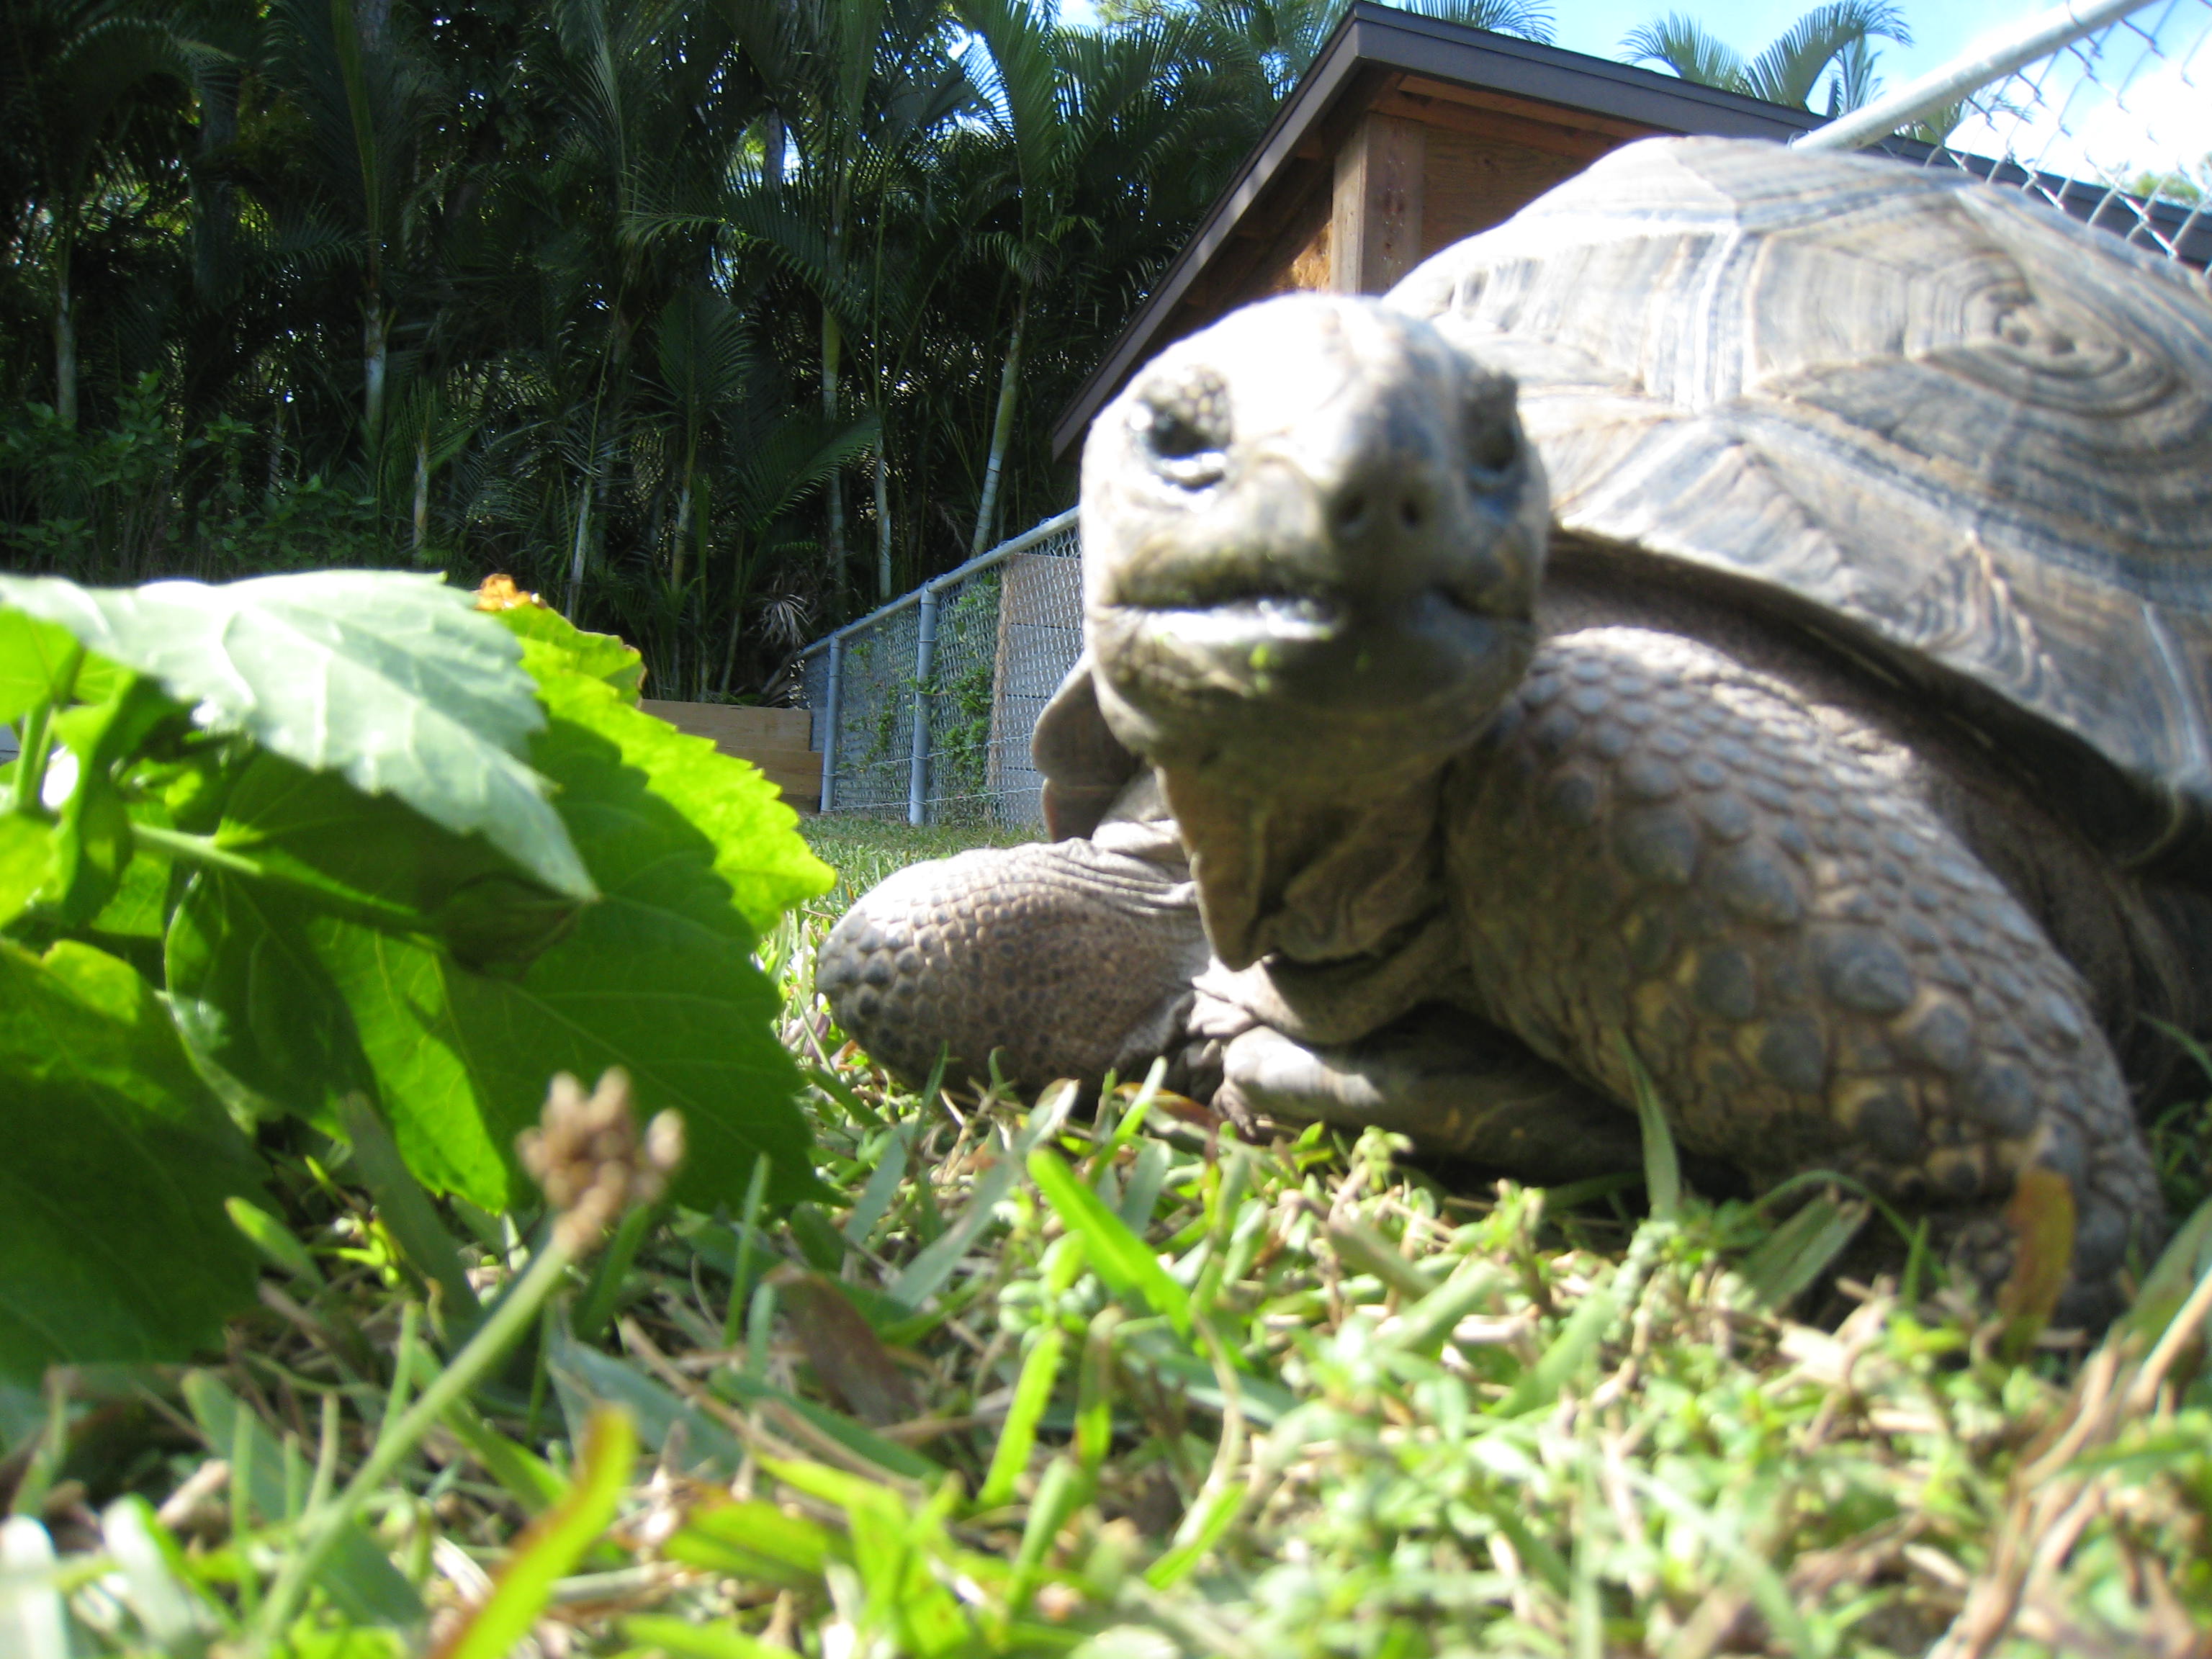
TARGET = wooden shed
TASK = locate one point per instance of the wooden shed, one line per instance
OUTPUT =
(1408, 133)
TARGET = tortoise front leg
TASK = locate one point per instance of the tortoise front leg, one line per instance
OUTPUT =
(1663, 846)
(1452, 1084)
(1069, 959)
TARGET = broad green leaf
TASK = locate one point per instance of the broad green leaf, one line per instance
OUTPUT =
(116, 1245)
(758, 850)
(551, 645)
(370, 859)
(93, 842)
(34, 657)
(462, 1060)
(27, 856)
(657, 977)
(391, 679)
(258, 1009)
(35, 666)
(135, 913)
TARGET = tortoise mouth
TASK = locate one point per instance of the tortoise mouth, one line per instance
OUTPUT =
(1292, 684)
(1322, 647)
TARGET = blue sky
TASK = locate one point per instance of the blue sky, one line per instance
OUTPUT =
(2164, 121)
(1939, 32)
(1595, 27)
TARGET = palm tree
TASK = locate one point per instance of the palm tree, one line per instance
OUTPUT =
(76, 71)
(1283, 36)
(603, 293)
(1829, 37)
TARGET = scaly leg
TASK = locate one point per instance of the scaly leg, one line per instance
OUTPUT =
(1453, 1086)
(1069, 958)
(1660, 845)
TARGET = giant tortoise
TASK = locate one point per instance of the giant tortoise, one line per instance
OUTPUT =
(1840, 772)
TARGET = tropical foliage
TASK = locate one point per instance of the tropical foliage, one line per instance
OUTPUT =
(713, 321)
(1833, 42)
(336, 848)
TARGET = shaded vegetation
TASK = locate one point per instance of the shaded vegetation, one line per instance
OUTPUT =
(713, 322)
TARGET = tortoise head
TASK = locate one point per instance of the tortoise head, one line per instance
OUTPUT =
(1313, 535)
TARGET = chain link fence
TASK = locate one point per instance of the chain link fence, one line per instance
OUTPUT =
(923, 710)
(2102, 111)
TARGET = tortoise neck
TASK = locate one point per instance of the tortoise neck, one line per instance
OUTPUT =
(1305, 880)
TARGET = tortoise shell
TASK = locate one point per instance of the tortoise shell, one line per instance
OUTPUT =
(1957, 431)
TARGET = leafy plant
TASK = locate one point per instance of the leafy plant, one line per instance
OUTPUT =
(341, 847)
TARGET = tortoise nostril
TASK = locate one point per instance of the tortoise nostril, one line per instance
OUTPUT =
(1410, 513)
(1351, 512)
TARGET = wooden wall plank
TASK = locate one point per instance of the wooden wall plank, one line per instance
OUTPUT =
(1375, 225)
(774, 740)
(1474, 183)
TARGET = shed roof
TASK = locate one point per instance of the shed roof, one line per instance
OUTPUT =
(1430, 61)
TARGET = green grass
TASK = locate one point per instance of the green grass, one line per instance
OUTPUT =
(863, 851)
(1130, 1387)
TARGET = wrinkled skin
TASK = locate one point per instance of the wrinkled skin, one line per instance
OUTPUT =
(1383, 824)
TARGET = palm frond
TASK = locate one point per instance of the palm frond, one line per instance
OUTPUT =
(1688, 47)
(1788, 70)
(1529, 18)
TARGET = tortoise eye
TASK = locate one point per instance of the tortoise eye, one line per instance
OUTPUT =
(1494, 438)
(1185, 426)
(1175, 437)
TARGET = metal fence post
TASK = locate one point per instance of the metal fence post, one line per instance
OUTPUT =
(925, 649)
(829, 723)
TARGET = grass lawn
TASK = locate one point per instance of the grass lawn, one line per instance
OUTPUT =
(1026, 1382)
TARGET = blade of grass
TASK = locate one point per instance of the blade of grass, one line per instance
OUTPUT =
(1801, 1249)
(1094, 1390)
(598, 1306)
(32, 1623)
(1663, 1166)
(1221, 1499)
(921, 1277)
(882, 1187)
(1032, 1394)
(1428, 1324)
(274, 1240)
(682, 1639)
(1146, 1178)
(1363, 1250)
(1116, 1255)
(359, 1577)
(748, 1231)
(321, 1531)
(552, 1544)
